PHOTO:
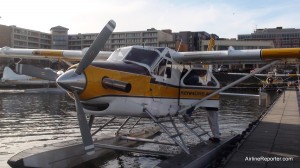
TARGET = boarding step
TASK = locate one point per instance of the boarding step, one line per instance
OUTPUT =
(177, 137)
(192, 126)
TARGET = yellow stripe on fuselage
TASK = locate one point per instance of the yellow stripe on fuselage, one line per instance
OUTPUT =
(141, 86)
(139, 83)
(280, 53)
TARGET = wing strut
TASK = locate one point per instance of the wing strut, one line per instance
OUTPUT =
(196, 104)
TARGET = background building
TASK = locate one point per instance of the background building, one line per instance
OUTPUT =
(223, 44)
(150, 37)
(17, 37)
(5, 40)
(192, 40)
(59, 36)
(282, 38)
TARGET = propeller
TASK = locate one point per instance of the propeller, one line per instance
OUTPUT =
(29, 70)
(96, 46)
(74, 81)
(84, 127)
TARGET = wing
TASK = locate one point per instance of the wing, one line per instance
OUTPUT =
(67, 55)
(238, 56)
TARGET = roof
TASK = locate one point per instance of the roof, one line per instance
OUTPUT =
(59, 27)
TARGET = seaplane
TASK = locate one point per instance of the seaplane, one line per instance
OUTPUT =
(270, 80)
(12, 79)
(143, 81)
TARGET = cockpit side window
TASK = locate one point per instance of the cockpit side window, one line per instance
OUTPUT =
(160, 69)
(163, 68)
(147, 57)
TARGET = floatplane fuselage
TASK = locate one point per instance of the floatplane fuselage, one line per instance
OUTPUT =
(137, 77)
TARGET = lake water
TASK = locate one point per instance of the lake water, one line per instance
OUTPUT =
(36, 118)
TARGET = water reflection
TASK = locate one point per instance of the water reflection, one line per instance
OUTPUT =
(29, 120)
(35, 119)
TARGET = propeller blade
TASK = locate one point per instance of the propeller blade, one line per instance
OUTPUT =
(96, 46)
(84, 127)
(29, 70)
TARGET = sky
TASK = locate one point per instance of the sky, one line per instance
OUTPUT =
(226, 18)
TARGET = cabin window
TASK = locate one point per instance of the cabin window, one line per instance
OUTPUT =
(147, 57)
(198, 77)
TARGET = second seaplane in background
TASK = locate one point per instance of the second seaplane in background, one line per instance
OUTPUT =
(142, 81)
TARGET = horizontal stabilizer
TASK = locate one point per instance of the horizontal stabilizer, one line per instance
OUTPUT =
(29, 70)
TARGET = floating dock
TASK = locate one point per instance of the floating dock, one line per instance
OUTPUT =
(275, 141)
(201, 155)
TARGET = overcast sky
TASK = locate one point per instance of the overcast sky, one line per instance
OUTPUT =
(226, 18)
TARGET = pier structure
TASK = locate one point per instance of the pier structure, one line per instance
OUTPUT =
(275, 141)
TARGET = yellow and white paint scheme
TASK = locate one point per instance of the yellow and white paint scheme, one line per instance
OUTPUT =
(156, 83)
(156, 80)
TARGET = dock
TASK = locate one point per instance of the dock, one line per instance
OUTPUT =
(275, 141)
(201, 155)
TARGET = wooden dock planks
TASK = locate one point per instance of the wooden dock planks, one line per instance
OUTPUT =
(276, 138)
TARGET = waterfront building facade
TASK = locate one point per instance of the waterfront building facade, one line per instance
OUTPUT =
(58, 38)
(17, 37)
(192, 40)
(224, 44)
(150, 37)
(281, 37)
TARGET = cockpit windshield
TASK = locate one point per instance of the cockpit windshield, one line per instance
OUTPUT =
(142, 56)
(135, 54)
(119, 54)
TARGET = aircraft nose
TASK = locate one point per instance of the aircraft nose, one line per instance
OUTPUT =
(71, 81)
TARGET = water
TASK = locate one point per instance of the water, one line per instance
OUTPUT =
(35, 118)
